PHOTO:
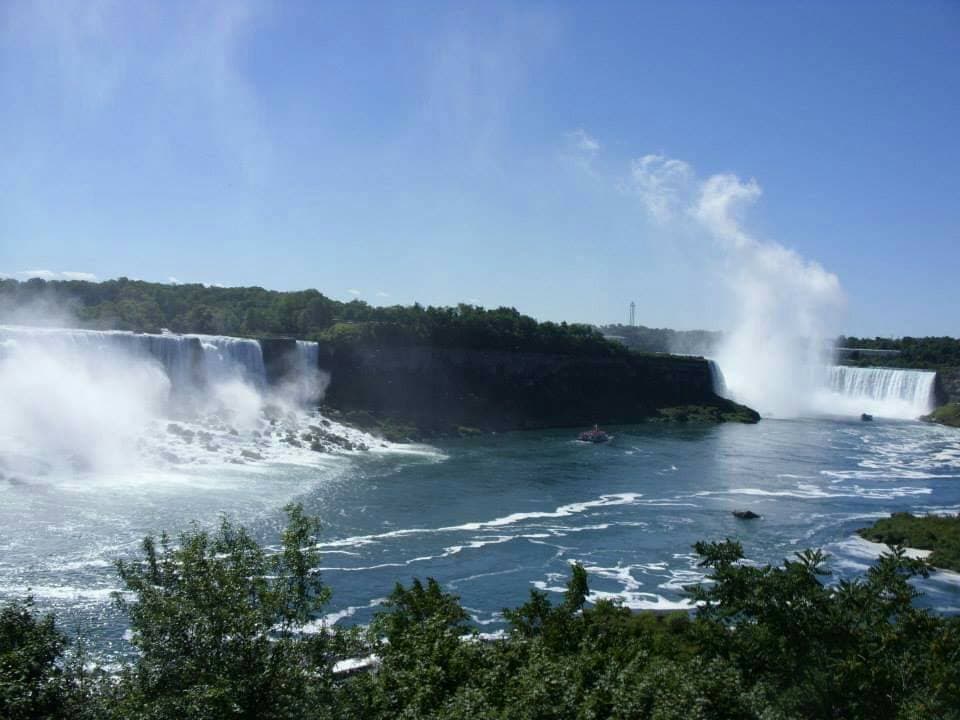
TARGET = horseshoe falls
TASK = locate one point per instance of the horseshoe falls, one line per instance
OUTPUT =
(884, 392)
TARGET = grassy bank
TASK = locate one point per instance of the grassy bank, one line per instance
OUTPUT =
(718, 412)
(948, 414)
(939, 533)
(404, 430)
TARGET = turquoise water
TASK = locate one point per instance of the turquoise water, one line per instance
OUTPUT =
(494, 516)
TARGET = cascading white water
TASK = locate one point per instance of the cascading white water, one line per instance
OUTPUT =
(308, 356)
(887, 392)
(227, 358)
(717, 378)
(101, 400)
(190, 362)
(179, 355)
(306, 383)
(840, 390)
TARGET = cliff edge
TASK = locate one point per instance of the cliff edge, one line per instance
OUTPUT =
(440, 390)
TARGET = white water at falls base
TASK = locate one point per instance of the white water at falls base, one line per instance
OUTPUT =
(87, 402)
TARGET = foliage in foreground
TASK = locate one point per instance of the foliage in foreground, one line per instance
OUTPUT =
(216, 621)
(939, 533)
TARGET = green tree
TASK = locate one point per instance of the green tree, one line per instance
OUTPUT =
(31, 682)
(858, 649)
(217, 624)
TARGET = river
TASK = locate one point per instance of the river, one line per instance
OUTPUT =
(491, 517)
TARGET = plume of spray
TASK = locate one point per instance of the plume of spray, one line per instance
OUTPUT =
(785, 306)
(86, 402)
(66, 403)
(774, 356)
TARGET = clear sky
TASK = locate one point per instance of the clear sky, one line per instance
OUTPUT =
(526, 154)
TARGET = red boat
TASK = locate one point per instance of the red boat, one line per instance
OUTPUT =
(594, 436)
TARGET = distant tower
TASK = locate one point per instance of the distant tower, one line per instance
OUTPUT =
(633, 313)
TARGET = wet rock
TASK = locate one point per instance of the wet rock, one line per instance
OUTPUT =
(251, 455)
(181, 432)
(745, 514)
(170, 457)
(322, 440)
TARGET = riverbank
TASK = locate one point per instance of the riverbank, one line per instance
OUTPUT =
(937, 535)
(948, 414)
(402, 429)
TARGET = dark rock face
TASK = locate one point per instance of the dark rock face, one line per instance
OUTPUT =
(946, 387)
(278, 354)
(496, 390)
(745, 514)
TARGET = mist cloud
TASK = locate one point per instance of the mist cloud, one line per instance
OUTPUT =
(53, 275)
(786, 307)
(663, 185)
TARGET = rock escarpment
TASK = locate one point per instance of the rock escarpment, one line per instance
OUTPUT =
(440, 390)
(947, 388)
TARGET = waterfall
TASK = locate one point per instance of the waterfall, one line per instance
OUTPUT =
(179, 355)
(190, 362)
(892, 392)
(716, 376)
(91, 401)
(308, 357)
(841, 390)
(309, 383)
(228, 358)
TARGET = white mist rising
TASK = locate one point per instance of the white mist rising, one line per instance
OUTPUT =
(70, 407)
(91, 402)
(786, 307)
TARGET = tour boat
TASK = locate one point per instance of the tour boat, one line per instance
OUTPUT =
(593, 436)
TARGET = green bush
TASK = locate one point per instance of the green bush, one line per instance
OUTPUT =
(31, 682)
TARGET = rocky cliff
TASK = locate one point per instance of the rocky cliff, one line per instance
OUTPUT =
(441, 389)
(948, 385)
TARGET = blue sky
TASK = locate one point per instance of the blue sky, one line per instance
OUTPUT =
(548, 156)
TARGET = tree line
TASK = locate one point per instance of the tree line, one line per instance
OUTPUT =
(928, 353)
(222, 629)
(665, 340)
(139, 306)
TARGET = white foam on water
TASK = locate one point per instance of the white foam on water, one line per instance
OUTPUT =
(631, 599)
(61, 593)
(861, 547)
(355, 664)
(813, 492)
(331, 619)
(479, 576)
(563, 511)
